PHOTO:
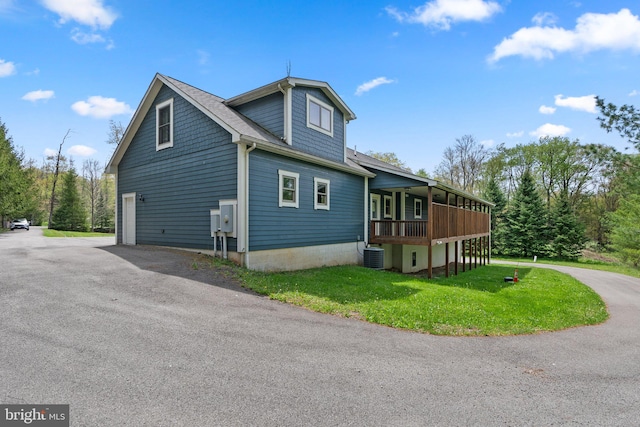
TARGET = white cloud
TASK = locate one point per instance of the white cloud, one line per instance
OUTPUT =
(36, 95)
(546, 18)
(87, 12)
(203, 56)
(488, 143)
(371, 84)
(81, 150)
(549, 129)
(546, 110)
(593, 31)
(33, 73)
(441, 14)
(100, 107)
(582, 103)
(515, 134)
(7, 68)
(634, 93)
(48, 152)
(81, 37)
(7, 6)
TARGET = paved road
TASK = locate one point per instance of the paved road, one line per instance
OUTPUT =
(135, 336)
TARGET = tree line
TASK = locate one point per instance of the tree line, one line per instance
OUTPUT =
(54, 193)
(555, 196)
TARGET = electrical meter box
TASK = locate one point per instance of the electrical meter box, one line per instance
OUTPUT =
(226, 218)
(229, 217)
(215, 221)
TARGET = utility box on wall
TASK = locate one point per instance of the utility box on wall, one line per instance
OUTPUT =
(229, 217)
(215, 221)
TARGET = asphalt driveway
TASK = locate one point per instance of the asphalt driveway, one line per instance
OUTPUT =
(138, 336)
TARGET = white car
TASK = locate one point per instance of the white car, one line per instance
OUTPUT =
(20, 223)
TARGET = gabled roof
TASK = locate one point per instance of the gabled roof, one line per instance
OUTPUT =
(241, 128)
(288, 82)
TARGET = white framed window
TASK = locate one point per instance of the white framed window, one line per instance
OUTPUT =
(375, 207)
(319, 115)
(164, 125)
(288, 189)
(417, 208)
(321, 191)
(388, 207)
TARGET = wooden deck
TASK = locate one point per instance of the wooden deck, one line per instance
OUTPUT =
(450, 223)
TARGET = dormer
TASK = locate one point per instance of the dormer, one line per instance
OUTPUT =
(307, 115)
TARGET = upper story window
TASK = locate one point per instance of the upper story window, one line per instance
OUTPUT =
(164, 125)
(289, 183)
(319, 115)
(321, 193)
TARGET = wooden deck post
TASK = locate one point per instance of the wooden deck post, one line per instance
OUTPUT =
(430, 232)
(446, 259)
(456, 249)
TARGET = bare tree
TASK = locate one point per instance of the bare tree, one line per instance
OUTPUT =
(116, 132)
(462, 164)
(91, 174)
(55, 176)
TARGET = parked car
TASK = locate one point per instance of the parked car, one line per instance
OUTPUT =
(20, 223)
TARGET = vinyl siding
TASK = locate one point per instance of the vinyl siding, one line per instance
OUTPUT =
(387, 180)
(273, 227)
(268, 112)
(310, 140)
(179, 184)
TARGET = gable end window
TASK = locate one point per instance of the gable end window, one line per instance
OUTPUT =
(289, 183)
(321, 191)
(164, 125)
(319, 115)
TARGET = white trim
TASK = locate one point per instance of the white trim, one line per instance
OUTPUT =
(417, 202)
(317, 205)
(312, 99)
(288, 114)
(167, 103)
(125, 216)
(286, 203)
(366, 210)
(376, 198)
(384, 207)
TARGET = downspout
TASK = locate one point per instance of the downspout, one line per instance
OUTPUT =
(245, 202)
(285, 137)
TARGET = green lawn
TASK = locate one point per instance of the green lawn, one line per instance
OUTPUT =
(614, 267)
(58, 233)
(477, 302)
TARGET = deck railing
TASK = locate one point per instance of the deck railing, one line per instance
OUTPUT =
(449, 223)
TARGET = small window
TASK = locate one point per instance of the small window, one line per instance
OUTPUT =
(388, 207)
(417, 208)
(164, 129)
(375, 206)
(289, 184)
(321, 193)
(319, 115)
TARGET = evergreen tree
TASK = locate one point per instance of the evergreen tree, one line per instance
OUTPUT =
(568, 234)
(70, 213)
(626, 229)
(494, 195)
(526, 231)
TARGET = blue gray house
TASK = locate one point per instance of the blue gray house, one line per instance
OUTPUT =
(266, 179)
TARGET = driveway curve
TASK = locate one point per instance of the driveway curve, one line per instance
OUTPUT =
(136, 336)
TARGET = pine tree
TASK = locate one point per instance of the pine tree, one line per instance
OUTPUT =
(568, 234)
(496, 196)
(70, 213)
(526, 231)
(626, 229)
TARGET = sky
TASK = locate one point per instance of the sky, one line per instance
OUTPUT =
(418, 74)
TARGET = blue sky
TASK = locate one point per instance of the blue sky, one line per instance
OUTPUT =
(418, 74)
